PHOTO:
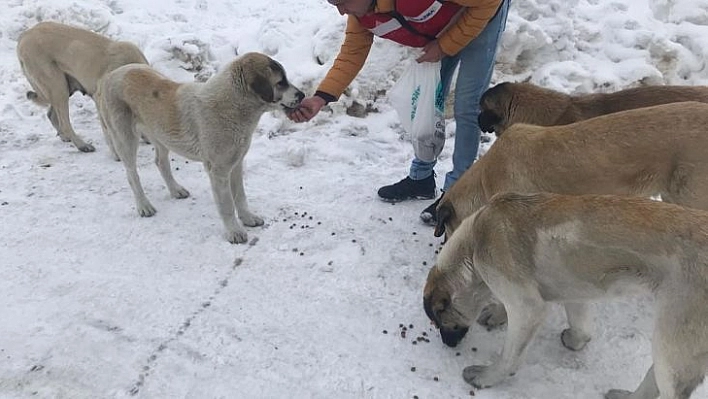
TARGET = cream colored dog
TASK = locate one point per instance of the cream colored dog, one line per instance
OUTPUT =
(59, 60)
(211, 122)
(529, 250)
(508, 103)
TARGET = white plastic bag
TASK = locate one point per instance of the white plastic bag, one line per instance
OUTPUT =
(418, 99)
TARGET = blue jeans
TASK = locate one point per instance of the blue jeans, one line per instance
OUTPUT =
(476, 61)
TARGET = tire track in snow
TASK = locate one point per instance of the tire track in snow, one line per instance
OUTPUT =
(186, 324)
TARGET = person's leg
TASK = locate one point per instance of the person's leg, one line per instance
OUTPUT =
(476, 66)
(420, 183)
(473, 78)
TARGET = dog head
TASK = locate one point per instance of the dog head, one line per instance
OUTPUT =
(446, 305)
(447, 220)
(267, 79)
(494, 106)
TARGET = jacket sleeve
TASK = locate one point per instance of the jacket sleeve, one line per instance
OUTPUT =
(351, 58)
(471, 22)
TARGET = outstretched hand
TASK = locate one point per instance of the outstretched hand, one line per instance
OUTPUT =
(432, 52)
(308, 108)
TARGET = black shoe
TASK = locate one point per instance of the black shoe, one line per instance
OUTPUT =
(429, 215)
(408, 188)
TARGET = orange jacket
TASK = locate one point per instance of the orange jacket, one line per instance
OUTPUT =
(357, 41)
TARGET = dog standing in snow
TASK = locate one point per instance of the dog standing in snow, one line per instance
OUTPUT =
(211, 122)
(59, 60)
(529, 250)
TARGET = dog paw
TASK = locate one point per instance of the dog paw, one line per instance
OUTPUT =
(251, 220)
(493, 316)
(85, 147)
(481, 376)
(146, 210)
(179, 192)
(574, 340)
(617, 394)
(237, 237)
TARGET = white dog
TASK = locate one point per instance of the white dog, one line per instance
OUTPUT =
(211, 122)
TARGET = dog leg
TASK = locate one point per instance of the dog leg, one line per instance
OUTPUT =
(526, 310)
(580, 320)
(248, 218)
(162, 161)
(58, 96)
(120, 127)
(52, 115)
(647, 389)
(493, 316)
(220, 179)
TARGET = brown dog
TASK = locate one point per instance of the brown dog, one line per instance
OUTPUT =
(530, 250)
(508, 103)
(59, 60)
(658, 150)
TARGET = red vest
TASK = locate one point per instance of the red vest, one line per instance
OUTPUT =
(425, 20)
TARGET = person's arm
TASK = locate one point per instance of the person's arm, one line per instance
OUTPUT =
(351, 58)
(470, 24)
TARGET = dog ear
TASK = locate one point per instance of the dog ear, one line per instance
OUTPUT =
(487, 119)
(261, 86)
(445, 212)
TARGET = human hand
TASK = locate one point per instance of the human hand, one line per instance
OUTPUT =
(308, 108)
(432, 52)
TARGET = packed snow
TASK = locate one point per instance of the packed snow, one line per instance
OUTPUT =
(100, 303)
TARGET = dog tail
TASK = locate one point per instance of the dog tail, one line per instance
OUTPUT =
(36, 98)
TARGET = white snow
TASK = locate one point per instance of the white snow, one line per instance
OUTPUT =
(97, 302)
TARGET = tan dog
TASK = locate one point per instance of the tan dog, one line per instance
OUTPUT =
(529, 250)
(59, 60)
(210, 122)
(508, 103)
(658, 150)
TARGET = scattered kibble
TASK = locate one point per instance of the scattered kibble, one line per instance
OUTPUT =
(413, 369)
(474, 349)
(385, 332)
(436, 379)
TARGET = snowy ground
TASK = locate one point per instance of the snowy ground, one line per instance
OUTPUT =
(98, 302)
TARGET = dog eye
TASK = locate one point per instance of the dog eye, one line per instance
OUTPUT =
(283, 84)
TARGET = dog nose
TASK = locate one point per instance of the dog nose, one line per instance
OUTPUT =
(300, 96)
